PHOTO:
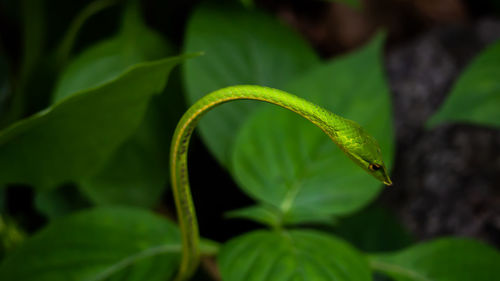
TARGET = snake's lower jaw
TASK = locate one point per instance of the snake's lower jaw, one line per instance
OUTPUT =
(387, 181)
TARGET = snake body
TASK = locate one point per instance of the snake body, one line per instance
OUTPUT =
(361, 147)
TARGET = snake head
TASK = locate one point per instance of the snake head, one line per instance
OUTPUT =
(365, 151)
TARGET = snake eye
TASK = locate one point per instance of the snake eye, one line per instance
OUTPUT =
(374, 167)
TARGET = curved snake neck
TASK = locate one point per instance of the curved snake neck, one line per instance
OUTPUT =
(345, 133)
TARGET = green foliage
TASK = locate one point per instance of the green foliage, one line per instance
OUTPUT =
(444, 259)
(137, 158)
(282, 160)
(291, 255)
(475, 98)
(108, 132)
(42, 150)
(100, 243)
(136, 174)
(108, 59)
(139, 163)
(240, 47)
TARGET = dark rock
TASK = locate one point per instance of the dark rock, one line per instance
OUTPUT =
(447, 179)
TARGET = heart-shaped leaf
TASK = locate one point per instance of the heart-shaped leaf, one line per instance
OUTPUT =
(97, 244)
(291, 255)
(73, 138)
(475, 98)
(283, 160)
(444, 259)
(241, 47)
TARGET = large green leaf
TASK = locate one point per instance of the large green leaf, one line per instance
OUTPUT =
(475, 97)
(291, 255)
(444, 259)
(131, 244)
(285, 161)
(74, 137)
(241, 47)
(137, 173)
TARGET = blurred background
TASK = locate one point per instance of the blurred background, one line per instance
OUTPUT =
(446, 179)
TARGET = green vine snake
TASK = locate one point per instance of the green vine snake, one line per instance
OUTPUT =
(361, 147)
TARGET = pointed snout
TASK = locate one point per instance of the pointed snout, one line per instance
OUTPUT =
(388, 182)
(386, 179)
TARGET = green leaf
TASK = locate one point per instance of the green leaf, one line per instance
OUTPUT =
(444, 259)
(475, 98)
(291, 255)
(136, 172)
(283, 160)
(74, 137)
(96, 244)
(241, 47)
